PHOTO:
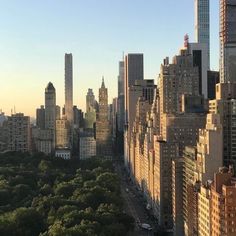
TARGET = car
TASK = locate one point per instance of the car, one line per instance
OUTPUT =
(146, 226)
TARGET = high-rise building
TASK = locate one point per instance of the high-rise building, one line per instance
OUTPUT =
(114, 117)
(19, 138)
(204, 210)
(69, 87)
(58, 112)
(213, 78)
(165, 152)
(121, 78)
(133, 70)
(62, 133)
(177, 196)
(50, 112)
(103, 127)
(121, 102)
(223, 203)
(77, 113)
(3, 132)
(50, 107)
(202, 25)
(225, 106)
(87, 145)
(209, 148)
(90, 101)
(176, 79)
(44, 140)
(200, 60)
(140, 88)
(189, 192)
(228, 41)
(40, 117)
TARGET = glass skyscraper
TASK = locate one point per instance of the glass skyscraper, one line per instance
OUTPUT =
(202, 24)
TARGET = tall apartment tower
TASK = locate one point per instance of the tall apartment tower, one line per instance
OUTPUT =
(69, 87)
(228, 41)
(202, 24)
(50, 107)
(176, 79)
(103, 129)
(19, 133)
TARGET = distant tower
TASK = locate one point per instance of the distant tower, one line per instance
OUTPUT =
(90, 101)
(121, 97)
(40, 117)
(103, 102)
(103, 127)
(69, 87)
(50, 107)
(228, 41)
(202, 24)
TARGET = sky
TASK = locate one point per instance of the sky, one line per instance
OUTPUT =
(35, 35)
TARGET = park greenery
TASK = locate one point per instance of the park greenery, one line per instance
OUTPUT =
(42, 196)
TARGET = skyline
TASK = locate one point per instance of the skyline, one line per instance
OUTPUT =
(97, 39)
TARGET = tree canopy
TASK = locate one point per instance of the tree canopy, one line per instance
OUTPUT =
(52, 197)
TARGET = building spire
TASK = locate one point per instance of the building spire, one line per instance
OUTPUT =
(103, 84)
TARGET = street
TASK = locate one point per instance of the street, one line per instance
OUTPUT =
(134, 205)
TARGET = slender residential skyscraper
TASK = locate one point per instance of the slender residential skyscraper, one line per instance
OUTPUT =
(228, 40)
(202, 24)
(69, 87)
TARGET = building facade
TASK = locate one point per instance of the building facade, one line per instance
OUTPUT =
(19, 138)
(227, 41)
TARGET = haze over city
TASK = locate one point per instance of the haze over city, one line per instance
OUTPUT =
(36, 35)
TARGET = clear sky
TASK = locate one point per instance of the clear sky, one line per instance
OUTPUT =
(34, 35)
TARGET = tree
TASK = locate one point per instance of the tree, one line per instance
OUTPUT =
(109, 180)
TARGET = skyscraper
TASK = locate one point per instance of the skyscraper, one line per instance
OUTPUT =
(121, 102)
(69, 87)
(50, 107)
(90, 101)
(121, 78)
(133, 71)
(50, 118)
(228, 40)
(40, 117)
(202, 24)
(103, 127)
